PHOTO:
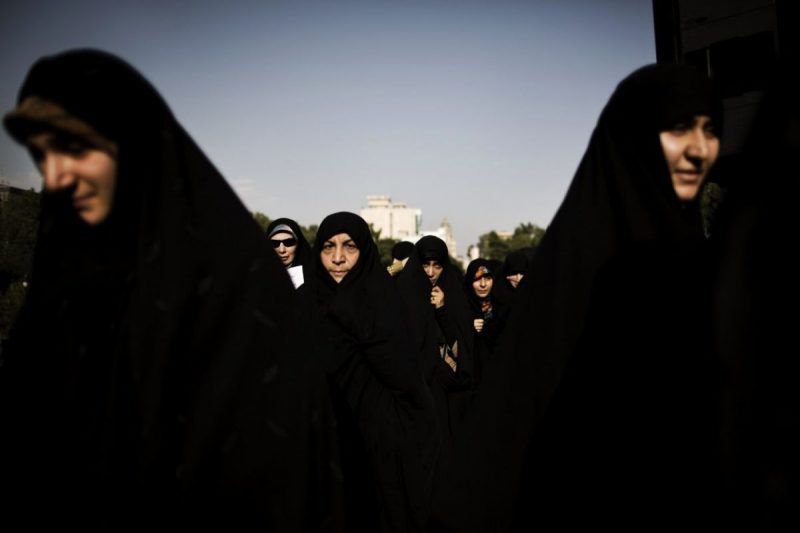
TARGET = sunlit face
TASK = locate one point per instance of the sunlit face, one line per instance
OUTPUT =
(433, 269)
(514, 279)
(691, 149)
(67, 161)
(339, 256)
(285, 246)
(483, 286)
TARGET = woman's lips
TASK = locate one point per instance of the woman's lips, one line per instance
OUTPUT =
(82, 202)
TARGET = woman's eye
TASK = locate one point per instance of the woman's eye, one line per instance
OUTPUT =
(70, 145)
(351, 247)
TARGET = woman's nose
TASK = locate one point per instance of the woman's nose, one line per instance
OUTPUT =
(698, 144)
(56, 171)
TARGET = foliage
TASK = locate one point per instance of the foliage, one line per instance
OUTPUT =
(10, 304)
(262, 219)
(712, 197)
(385, 250)
(492, 246)
(310, 233)
(19, 213)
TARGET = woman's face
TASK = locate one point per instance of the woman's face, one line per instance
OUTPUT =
(66, 161)
(285, 246)
(483, 286)
(339, 255)
(691, 149)
(433, 269)
(514, 279)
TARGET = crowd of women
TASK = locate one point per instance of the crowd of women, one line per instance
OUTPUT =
(174, 365)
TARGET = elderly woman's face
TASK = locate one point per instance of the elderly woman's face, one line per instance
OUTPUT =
(339, 255)
(67, 161)
(691, 149)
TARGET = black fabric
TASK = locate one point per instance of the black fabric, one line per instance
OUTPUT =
(620, 204)
(431, 328)
(755, 318)
(402, 250)
(387, 429)
(516, 262)
(142, 380)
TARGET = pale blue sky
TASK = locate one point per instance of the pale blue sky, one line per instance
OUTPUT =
(478, 111)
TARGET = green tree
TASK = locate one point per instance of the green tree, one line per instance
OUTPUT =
(492, 246)
(19, 216)
(262, 219)
(310, 233)
(712, 197)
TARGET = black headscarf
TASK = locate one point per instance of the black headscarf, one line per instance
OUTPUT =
(477, 304)
(388, 433)
(151, 392)
(620, 198)
(402, 250)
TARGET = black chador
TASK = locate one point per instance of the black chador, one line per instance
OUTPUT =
(755, 319)
(442, 335)
(141, 381)
(388, 434)
(491, 311)
(598, 410)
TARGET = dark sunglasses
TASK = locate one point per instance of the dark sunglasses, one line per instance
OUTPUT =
(291, 241)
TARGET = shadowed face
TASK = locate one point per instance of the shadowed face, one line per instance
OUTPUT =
(514, 279)
(691, 149)
(67, 161)
(433, 269)
(339, 255)
(483, 285)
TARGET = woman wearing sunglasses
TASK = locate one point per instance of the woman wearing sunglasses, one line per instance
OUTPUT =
(292, 248)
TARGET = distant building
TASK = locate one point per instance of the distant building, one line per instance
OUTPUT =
(444, 232)
(395, 220)
(473, 253)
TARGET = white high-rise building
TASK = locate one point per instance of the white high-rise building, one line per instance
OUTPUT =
(395, 220)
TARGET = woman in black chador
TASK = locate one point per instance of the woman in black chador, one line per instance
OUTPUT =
(387, 429)
(441, 328)
(598, 411)
(756, 318)
(487, 311)
(141, 381)
(293, 250)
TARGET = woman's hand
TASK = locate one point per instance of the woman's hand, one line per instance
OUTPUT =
(437, 297)
(478, 324)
